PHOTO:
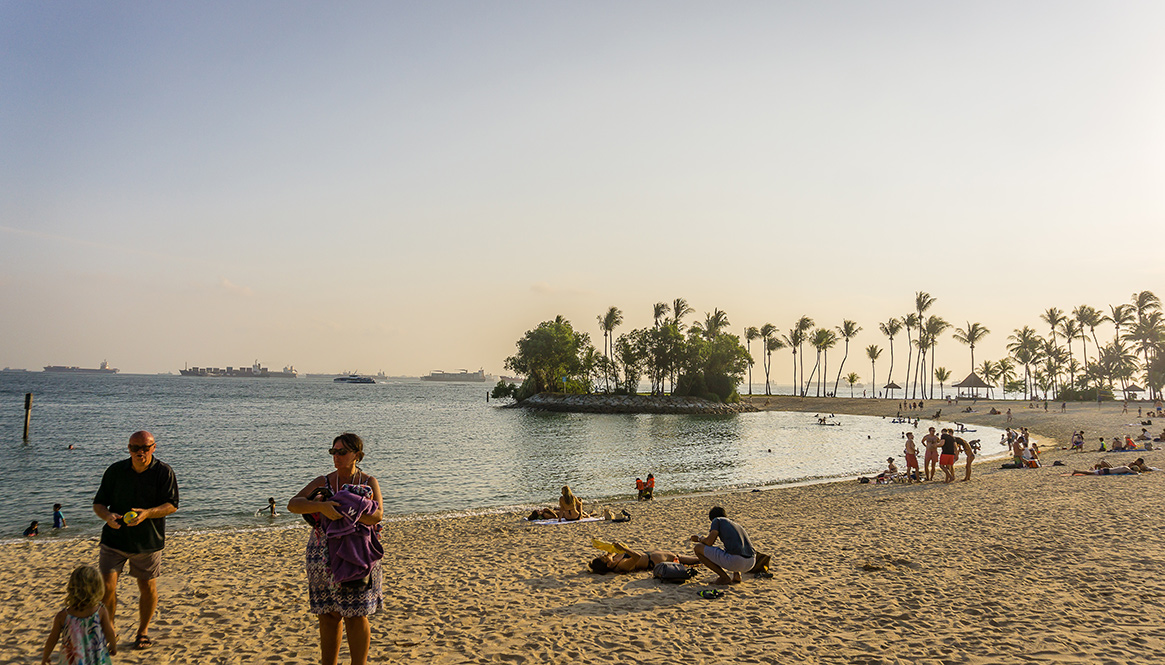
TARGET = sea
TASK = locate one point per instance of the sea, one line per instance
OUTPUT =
(438, 449)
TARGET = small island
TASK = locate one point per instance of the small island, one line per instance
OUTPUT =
(692, 370)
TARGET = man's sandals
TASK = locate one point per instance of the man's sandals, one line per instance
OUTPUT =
(142, 642)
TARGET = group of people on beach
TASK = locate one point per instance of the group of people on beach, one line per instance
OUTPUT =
(136, 495)
(734, 556)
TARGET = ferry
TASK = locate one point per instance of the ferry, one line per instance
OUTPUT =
(354, 378)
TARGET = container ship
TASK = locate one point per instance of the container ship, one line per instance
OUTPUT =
(463, 375)
(253, 372)
(104, 369)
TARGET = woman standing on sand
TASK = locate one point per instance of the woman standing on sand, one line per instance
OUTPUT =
(340, 606)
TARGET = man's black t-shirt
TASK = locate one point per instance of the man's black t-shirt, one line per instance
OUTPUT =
(123, 489)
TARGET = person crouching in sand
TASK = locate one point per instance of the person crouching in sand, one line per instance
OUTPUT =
(738, 556)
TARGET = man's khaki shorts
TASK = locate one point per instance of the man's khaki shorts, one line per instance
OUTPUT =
(143, 566)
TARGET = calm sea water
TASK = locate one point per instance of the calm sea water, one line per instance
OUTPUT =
(436, 448)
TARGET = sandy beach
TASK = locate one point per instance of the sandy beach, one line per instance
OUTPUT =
(1055, 569)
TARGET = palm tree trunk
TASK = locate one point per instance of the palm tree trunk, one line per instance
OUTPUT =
(840, 367)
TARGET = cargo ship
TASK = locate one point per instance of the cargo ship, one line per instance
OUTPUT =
(104, 369)
(255, 371)
(463, 375)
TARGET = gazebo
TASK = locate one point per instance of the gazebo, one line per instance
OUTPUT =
(891, 386)
(1132, 390)
(972, 381)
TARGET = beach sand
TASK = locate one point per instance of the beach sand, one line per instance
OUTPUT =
(1014, 566)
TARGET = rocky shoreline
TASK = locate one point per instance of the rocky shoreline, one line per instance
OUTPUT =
(632, 404)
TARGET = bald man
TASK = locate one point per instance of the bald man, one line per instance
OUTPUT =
(135, 496)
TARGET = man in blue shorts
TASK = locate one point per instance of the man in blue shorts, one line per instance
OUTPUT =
(134, 499)
(737, 556)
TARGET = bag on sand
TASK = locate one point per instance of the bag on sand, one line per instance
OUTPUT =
(670, 571)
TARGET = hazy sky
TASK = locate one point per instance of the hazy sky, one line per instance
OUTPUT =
(411, 186)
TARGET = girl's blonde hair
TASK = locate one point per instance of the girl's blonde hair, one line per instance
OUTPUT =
(86, 588)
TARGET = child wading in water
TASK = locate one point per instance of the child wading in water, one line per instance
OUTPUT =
(84, 627)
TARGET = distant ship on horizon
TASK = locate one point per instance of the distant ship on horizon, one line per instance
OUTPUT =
(104, 369)
(463, 375)
(255, 371)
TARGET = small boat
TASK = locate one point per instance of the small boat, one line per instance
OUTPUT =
(354, 378)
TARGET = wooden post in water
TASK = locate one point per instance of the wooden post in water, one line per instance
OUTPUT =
(27, 413)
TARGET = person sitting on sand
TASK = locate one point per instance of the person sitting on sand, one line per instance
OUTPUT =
(1117, 444)
(570, 506)
(890, 471)
(738, 556)
(1144, 436)
(628, 560)
(1078, 440)
(1129, 443)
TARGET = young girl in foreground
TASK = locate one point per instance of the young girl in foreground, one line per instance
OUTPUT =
(88, 637)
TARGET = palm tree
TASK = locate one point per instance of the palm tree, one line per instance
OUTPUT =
(1146, 302)
(890, 329)
(851, 379)
(908, 322)
(608, 322)
(804, 324)
(680, 308)
(714, 322)
(971, 336)
(659, 312)
(1147, 333)
(989, 372)
(1121, 316)
(793, 340)
(1070, 330)
(848, 329)
(751, 333)
(935, 327)
(766, 333)
(1053, 316)
(1004, 373)
(1024, 348)
(942, 374)
(822, 340)
(1088, 317)
(922, 302)
(771, 344)
(872, 352)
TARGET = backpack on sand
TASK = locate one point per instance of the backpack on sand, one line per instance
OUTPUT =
(670, 571)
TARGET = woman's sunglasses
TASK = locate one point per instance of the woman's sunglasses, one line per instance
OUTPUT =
(339, 451)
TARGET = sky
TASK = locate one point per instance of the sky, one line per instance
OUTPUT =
(411, 186)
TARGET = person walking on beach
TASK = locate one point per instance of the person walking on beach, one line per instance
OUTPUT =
(133, 500)
(737, 555)
(84, 628)
(342, 606)
(931, 441)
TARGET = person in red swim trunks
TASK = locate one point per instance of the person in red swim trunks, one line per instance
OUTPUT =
(946, 460)
(911, 453)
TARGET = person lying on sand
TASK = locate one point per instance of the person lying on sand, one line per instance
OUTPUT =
(1103, 468)
(1140, 467)
(628, 560)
